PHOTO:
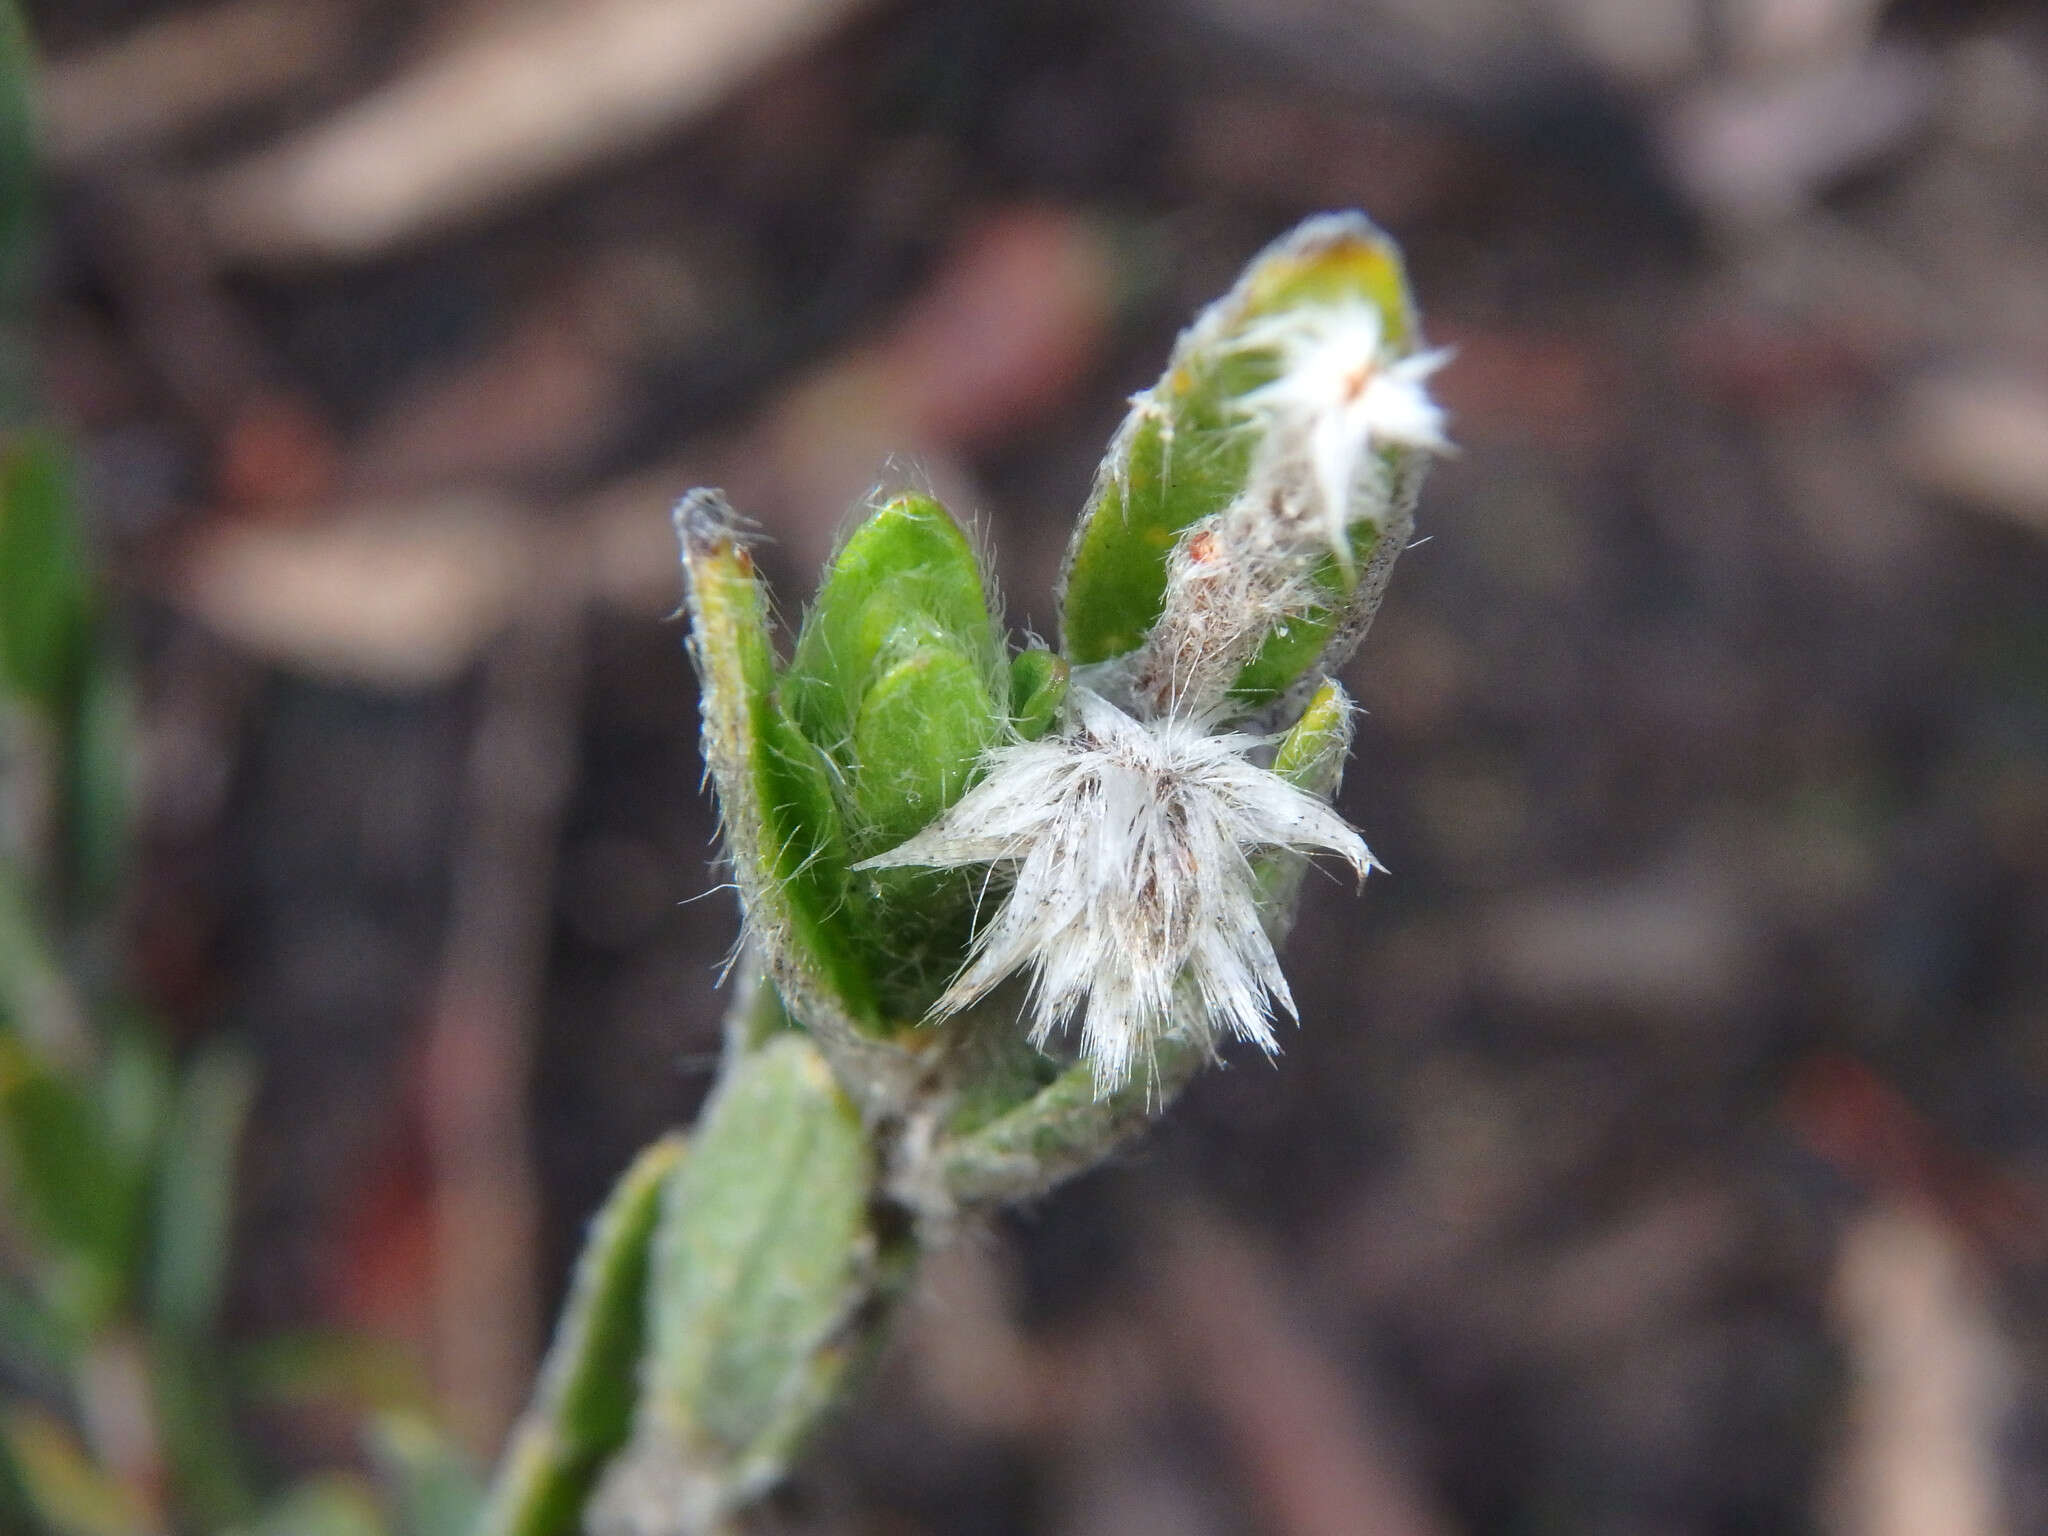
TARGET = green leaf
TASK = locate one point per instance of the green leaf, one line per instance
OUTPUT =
(1311, 756)
(1293, 648)
(336, 1504)
(17, 209)
(78, 1188)
(49, 666)
(994, 1066)
(195, 1190)
(46, 601)
(921, 730)
(325, 1368)
(774, 788)
(1062, 1129)
(898, 678)
(65, 1493)
(100, 759)
(430, 1481)
(583, 1406)
(1183, 452)
(763, 1256)
(38, 1009)
(760, 1255)
(1038, 687)
(198, 1431)
(908, 564)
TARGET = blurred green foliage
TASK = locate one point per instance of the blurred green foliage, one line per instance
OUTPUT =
(120, 1413)
(120, 1397)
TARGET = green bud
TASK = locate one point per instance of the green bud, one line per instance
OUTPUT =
(1038, 687)
(1230, 427)
(915, 823)
(1311, 755)
(894, 676)
(908, 565)
(922, 725)
(876, 727)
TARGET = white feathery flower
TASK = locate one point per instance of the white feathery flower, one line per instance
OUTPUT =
(1338, 396)
(1134, 901)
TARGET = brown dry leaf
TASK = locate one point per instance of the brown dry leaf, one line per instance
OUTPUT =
(1010, 324)
(1317, 1459)
(399, 597)
(1669, 945)
(527, 103)
(1928, 1385)
(540, 399)
(1981, 439)
(173, 75)
(1756, 150)
(1520, 386)
(1015, 314)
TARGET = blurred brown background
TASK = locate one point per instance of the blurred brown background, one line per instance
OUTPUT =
(1666, 1149)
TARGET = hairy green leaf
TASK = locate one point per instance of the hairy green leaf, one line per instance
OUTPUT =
(763, 1256)
(761, 1250)
(774, 788)
(583, 1405)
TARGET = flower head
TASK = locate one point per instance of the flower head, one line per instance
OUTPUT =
(1339, 395)
(1134, 901)
(1339, 398)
